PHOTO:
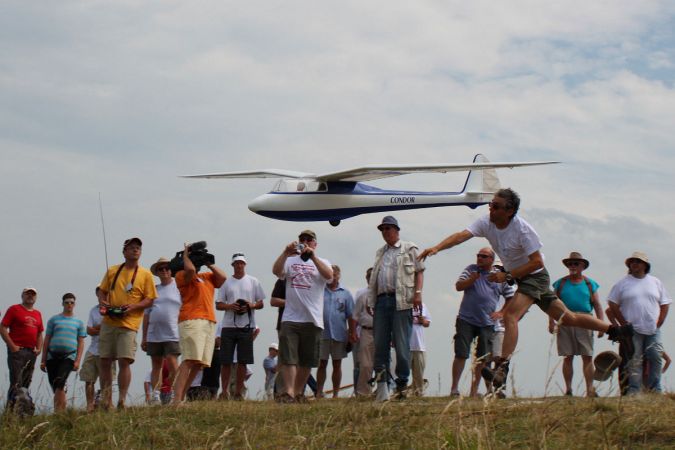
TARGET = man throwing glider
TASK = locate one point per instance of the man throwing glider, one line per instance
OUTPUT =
(518, 246)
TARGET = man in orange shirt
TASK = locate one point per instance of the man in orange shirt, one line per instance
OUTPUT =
(196, 320)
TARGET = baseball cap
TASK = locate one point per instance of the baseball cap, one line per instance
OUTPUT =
(274, 345)
(238, 257)
(309, 233)
(28, 289)
(133, 240)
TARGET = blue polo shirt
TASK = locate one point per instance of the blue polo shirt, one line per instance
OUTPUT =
(337, 308)
(480, 299)
(64, 332)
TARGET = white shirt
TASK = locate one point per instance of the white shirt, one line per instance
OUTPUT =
(417, 336)
(246, 288)
(360, 314)
(304, 291)
(640, 301)
(513, 244)
(94, 321)
(163, 314)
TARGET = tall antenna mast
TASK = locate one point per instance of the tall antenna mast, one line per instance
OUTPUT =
(105, 243)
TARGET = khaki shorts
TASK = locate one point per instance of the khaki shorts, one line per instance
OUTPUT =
(90, 368)
(575, 341)
(197, 340)
(333, 349)
(299, 344)
(116, 342)
(537, 286)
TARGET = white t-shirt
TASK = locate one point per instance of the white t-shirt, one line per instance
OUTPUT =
(639, 300)
(360, 315)
(513, 244)
(304, 291)
(94, 321)
(417, 335)
(246, 288)
(163, 314)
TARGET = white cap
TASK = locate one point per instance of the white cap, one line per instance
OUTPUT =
(274, 345)
(239, 256)
(29, 288)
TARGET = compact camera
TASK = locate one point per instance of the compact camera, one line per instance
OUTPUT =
(114, 312)
(304, 256)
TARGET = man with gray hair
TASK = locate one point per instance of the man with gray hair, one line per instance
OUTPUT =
(395, 286)
(519, 248)
(338, 305)
(475, 319)
(641, 300)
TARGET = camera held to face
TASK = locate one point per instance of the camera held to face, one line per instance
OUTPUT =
(198, 254)
(304, 255)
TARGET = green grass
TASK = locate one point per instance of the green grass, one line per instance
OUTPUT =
(553, 423)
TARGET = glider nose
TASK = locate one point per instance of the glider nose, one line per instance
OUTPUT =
(257, 204)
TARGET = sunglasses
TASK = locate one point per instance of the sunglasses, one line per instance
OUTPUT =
(483, 256)
(496, 206)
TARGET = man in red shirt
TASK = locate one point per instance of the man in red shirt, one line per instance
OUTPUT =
(21, 330)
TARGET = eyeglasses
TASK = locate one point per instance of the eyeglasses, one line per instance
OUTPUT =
(573, 264)
(496, 206)
(69, 302)
(483, 256)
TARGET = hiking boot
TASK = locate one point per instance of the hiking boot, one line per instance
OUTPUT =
(616, 334)
(401, 393)
(285, 398)
(499, 374)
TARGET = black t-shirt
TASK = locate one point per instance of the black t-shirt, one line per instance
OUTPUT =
(279, 291)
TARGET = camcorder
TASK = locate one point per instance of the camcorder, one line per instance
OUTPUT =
(198, 254)
(114, 312)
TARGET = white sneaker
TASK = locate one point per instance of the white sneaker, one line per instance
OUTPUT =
(382, 392)
(155, 400)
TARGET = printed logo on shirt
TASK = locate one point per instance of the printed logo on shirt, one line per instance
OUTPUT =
(31, 322)
(302, 276)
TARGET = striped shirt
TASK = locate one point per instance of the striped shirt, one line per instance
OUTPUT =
(63, 332)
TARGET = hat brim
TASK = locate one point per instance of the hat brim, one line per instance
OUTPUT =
(649, 266)
(585, 261)
(382, 225)
(155, 266)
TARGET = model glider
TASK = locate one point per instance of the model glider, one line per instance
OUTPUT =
(335, 196)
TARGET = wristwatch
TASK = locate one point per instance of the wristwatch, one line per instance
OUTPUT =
(509, 279)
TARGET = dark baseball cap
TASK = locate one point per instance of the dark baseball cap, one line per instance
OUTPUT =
(133, 240)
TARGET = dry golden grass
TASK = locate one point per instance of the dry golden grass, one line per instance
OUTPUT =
(553, 423)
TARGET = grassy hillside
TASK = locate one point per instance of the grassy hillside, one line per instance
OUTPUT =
(554, 423)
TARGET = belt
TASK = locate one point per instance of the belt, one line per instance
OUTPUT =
(387, 294)
(366, 328)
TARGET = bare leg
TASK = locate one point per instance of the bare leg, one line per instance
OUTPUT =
(289, 373)
(106, 382)
(155, 379)
(512, 314)
(225, 371)
(336, 377)
(183, 380)
(172, 362)
(301, 379)
(123, 379)
(559, 312)
(90, 392)
(241, 375)
(475, 381)
(321, 377)
(589, 371)
(59, 400)
(568, 372)
(457, 369)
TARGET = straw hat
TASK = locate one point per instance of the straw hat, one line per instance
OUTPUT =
(576, 256)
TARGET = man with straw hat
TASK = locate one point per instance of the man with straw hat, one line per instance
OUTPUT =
(641, 300)
(580, 294)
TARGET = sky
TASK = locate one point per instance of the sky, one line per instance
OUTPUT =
(119, 98)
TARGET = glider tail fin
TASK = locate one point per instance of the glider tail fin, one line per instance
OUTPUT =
(482, 183)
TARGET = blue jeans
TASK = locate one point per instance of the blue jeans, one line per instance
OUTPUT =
(390, 325)
(649, 348)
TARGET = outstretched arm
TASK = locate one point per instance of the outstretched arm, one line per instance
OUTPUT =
(450, 241)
